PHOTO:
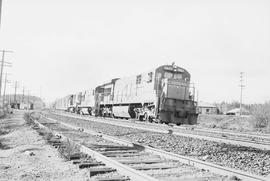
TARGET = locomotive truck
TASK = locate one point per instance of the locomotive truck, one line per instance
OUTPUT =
(163, 94)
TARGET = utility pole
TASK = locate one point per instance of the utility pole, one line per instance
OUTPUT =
(16, 86)
(241, 90)
(0, 11)
(3, 63)
(28, 106)
(4, 95)
(23, 95)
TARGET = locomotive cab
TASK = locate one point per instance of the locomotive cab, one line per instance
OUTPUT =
(175, 96)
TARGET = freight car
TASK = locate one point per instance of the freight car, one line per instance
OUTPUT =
(163, 94)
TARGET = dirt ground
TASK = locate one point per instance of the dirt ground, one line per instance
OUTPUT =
(243, 123)
(24, 155)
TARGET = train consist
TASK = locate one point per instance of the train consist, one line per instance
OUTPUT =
(163, 94)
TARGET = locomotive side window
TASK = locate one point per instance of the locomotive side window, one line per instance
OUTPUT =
(138, 79)
(83, 97)
(150, 77)
(107, 91)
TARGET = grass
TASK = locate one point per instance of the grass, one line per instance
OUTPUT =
(261, 112)
(27, 117)
(69, 148)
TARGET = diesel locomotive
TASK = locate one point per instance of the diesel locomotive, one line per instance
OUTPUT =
(163, 94)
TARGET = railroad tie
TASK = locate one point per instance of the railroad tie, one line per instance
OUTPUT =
(86, 160)
(114, 179)
(75, 156)
(100, 170)
(141, 161)
(124, 155)
(154, 167)
(90, 164)
(118, 152)
(119, 149)
(54, 140)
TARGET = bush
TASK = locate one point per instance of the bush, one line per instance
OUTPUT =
(69, 148)
(261, 112)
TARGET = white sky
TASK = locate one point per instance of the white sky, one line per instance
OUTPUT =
(65, 46)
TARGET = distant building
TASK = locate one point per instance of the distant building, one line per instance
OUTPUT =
(22, 105)
(207, 108)
(24, 102)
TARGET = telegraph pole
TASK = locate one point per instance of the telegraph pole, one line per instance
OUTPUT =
(241, 90)
(3, 63)
(0, 11)
(16, 86)
(40, 92)
(4, 95)
(28, 106)
(23, 95)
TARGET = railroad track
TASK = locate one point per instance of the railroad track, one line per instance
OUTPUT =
(158, 164)
(255, 141)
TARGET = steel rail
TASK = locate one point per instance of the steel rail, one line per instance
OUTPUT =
(184, 159)
(121, 168)
(259, 135)
(263, 136)
(205, 137)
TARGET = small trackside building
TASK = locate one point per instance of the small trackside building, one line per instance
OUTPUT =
(207, 108)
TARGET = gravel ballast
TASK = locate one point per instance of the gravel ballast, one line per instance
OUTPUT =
(247, 159)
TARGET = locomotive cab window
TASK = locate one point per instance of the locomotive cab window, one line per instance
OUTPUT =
(168, 75)
(178, 76)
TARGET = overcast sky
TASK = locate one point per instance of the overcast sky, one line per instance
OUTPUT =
(65, 46)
